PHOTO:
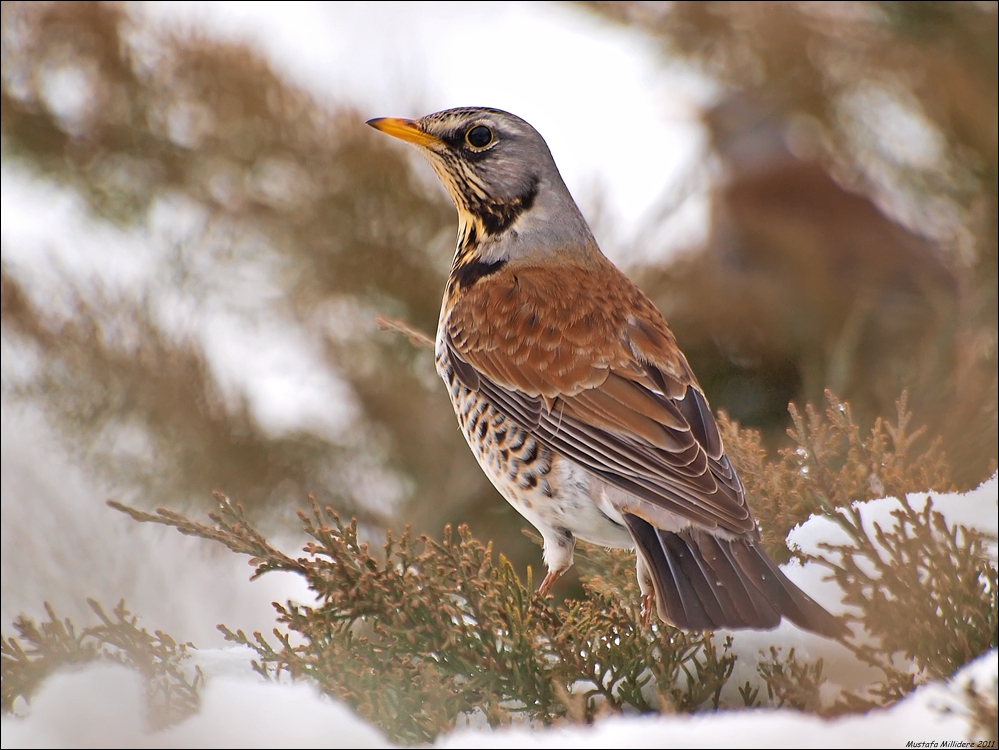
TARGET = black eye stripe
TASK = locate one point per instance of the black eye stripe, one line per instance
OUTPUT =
(479, 137)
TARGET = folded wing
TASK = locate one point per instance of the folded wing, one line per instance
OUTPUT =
(607, 389)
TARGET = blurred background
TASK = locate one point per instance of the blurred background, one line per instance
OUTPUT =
(198, 232)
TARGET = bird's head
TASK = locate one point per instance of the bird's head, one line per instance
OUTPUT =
(500, 174)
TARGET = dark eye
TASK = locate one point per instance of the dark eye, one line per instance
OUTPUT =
(479, 137)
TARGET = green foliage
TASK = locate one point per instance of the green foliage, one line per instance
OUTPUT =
(272, 183)
(300, 193)
(171, 684)
(423, 633)
(429, 630)
(925, 590)
(790, 683)
(831, 465)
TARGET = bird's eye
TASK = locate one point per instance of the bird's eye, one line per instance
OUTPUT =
(479, 137)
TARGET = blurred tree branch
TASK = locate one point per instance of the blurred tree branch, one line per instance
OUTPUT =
(285, 188)
(853, 241)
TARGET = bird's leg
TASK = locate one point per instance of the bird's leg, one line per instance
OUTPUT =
(546, 585)
(648, 591)
(648, 607)
(559, 544)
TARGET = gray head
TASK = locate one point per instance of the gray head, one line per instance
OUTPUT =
(499, 172)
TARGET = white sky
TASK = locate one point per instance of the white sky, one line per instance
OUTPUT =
(599, 94)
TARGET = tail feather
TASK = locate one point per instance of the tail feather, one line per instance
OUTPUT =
(674, 590)
(794, 603)
(701, 578)
(703, 582)
(749, 604)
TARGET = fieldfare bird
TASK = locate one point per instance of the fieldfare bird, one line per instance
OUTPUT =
(573, 394)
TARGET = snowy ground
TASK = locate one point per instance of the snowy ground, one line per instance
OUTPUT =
(102, 705)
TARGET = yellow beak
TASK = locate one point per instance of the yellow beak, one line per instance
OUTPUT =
(403, 129)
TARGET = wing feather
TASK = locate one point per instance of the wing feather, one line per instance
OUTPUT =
(590, 368)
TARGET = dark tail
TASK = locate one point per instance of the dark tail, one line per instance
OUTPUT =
(703, 582)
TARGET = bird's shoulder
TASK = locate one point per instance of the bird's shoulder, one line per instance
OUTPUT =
(561, 328)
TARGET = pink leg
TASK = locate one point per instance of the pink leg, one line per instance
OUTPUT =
(546, 585)
(648, 607)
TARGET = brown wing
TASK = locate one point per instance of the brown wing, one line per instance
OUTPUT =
(583, 360)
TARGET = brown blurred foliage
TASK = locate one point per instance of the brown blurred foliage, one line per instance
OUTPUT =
(807, 281)
(170, 117)
(853, 236)
(829, 464)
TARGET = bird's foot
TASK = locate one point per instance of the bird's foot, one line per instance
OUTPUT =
(648, 607)
(546, 585)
